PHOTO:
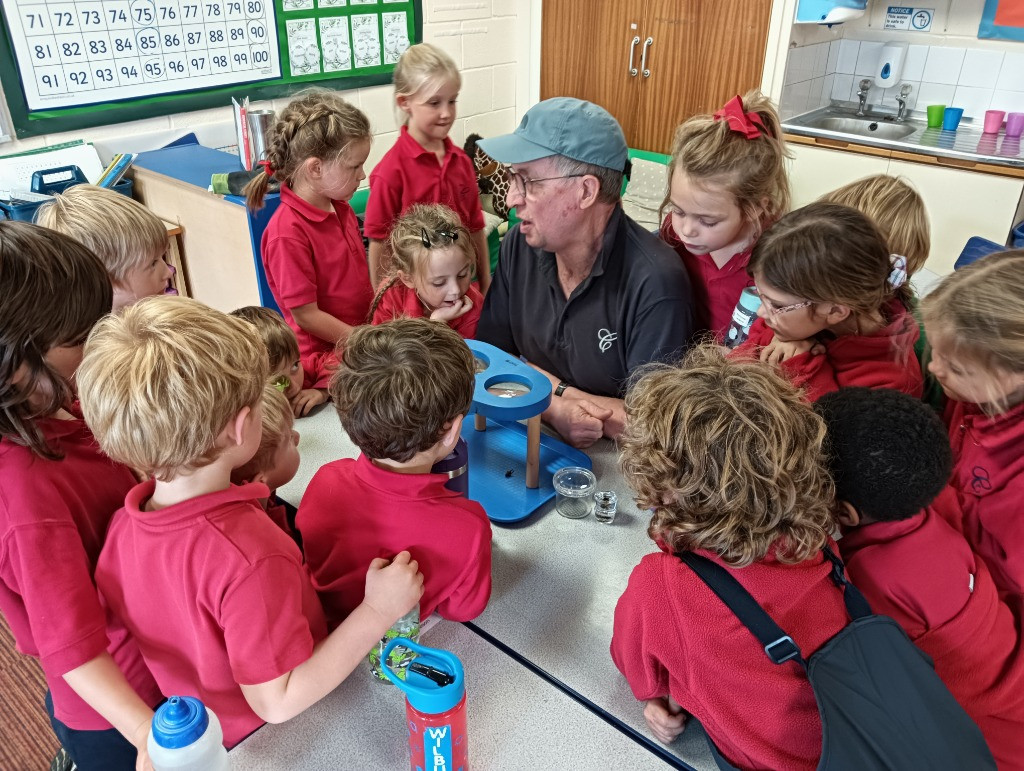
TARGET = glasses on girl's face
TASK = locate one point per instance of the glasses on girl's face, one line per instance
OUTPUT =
(524, 186)
(441, 237)
(774, 309)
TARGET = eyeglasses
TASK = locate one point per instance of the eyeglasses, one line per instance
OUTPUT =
(450, 235)
(774, 309)
(522, 184)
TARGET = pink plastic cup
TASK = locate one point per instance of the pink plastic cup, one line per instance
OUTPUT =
(994, 121)
(1015, 124)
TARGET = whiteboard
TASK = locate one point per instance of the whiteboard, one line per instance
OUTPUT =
(90, 51)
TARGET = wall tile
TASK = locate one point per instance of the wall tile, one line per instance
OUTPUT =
(504, 86)
(913, 65)
(981, 68)
(867, 59)
(447, 10)
(848, 51)
(935, 93)
(1011, 101)
(828, 83)
(944, 65)
(486, 43)
(974, 100)
(842, 86)
(814, 93)
(821, 59)
(447, 37)
(833, 57)
(1011, 76)
(492, 124)
(476, 93)
(378, 102)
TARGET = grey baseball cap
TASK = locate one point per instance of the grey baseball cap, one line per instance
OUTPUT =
(565, 126)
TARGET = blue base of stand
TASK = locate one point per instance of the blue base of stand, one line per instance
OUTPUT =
(501, 449)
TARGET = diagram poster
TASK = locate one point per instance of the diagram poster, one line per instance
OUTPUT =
(1002, 19)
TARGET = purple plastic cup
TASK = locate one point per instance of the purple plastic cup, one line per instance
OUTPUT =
(1015, 124)
(994, 121)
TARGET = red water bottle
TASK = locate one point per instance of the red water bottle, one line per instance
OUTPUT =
(435, 707)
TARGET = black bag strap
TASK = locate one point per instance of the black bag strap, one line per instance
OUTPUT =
(778, 646)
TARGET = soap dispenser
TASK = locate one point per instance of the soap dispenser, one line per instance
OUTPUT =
(828, 12)
(890, 64)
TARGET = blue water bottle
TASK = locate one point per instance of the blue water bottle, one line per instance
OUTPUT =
(743, 317)
(435, 705)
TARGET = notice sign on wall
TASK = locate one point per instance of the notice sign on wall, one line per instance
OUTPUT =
(74, 53)
(913, 19)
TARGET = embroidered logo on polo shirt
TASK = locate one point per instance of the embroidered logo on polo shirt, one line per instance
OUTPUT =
(605, 338)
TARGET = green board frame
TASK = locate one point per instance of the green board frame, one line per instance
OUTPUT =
(30, 123)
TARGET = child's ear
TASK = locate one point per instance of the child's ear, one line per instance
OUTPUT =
(313, 167)
(234, 431)
(403, 103)
(847, 515)
(835, 313)
(405, 278)
(453, 432)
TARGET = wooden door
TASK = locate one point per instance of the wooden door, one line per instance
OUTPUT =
(585, 53)
(703, 52)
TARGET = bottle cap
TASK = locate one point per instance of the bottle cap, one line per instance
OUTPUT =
(179, 721)
(426, 693)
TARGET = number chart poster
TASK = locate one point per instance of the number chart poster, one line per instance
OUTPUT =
(89, 51)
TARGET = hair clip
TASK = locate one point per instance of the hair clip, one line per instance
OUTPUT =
(451, 235)
(898, 274)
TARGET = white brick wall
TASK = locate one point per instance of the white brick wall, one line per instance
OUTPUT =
(488, 39)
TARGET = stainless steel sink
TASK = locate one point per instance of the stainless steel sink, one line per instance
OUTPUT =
(865, 127)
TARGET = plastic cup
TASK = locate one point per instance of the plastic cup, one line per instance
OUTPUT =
(951, 118)
(994, 121)
(1015, 124)
(575, 487)
(935, 113)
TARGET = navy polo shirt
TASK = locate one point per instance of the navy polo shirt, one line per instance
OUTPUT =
(635, 307)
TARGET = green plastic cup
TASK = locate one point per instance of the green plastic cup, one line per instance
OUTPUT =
(935, 115)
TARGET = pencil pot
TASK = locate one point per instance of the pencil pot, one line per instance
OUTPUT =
(435, 708)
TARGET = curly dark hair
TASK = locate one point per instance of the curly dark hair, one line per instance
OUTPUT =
(888, 452)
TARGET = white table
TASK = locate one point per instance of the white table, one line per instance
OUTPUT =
(555, 585)
(515, 720)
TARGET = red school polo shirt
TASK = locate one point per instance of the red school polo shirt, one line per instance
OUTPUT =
(922, 572)
(673, 636)
(399, 301)
(883, 360)
(988, 474)
(409, 174)
(716, 291)
(53, 518)
(215, 594)
(311, 255)
(353, 512)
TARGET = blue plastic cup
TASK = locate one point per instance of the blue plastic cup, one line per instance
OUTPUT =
(951, 118)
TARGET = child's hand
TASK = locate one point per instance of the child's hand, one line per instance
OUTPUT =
(665, 718)
(307, 399)
(393, 588)
(778, 351)
(460, 307)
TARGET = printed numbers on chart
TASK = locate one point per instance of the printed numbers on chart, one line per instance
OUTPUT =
(122, 44)
(143, 12)
(44, 51)
(168, 12)
(50, 80)
(240, 60)
(153, 69)
(172, 40)
(129, 73)
(36, 20)
(79, 79)
(90, 18)
(104, 77)
(190, 12)
(71, 48)
(175, 66)
(63, 17)
(257, 32)
(219, 63)
(148, 41)
(254, 8)
(199, 65)
(236, 35)
(234, 10)
(260, 56)
(213, 11)
(117, 14)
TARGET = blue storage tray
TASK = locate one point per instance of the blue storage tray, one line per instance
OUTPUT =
(976, 248)
(502, 449)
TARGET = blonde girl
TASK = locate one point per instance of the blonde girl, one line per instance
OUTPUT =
(58, 493)
(834, 304)
(312, 250)
(728, 457)
(975, 323)
(424, 166)
(727, 183)
(431, 271)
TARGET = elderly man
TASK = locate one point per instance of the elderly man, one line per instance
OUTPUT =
(582, 292)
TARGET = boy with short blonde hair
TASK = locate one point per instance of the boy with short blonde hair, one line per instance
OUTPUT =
(401, 390)
(128, 237)
(215, 594)
(277, 458)
(303, 381)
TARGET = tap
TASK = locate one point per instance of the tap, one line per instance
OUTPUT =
(901, 100)
(862, 95)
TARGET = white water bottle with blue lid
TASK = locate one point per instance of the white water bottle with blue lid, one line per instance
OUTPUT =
(186, 736)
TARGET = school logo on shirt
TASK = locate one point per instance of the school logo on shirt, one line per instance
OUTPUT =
(605, 338)
(980, 483)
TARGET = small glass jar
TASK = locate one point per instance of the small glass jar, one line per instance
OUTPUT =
(606, 504)
(575, 487)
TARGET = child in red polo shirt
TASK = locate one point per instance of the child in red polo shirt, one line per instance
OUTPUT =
(728, 457)
(57, 495)
(424, 166)
(890, 458)
(304, 382)
(213, 591)
(834, 304)
(975, 323)
(431, 267)
(401, 391)
(727, 183)
(312, 250)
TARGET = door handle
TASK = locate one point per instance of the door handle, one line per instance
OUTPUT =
(632, 45)
(643, 57)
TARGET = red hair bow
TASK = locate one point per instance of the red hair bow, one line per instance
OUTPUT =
(267, 169)
(747, 123)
